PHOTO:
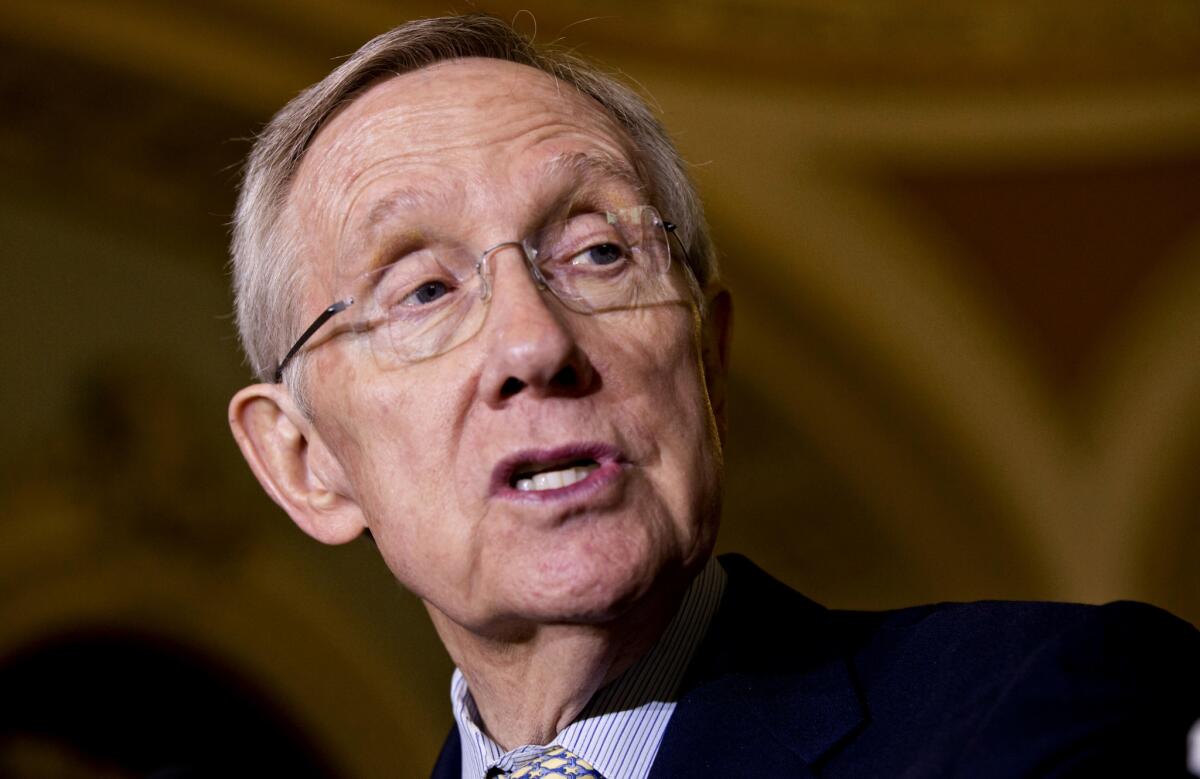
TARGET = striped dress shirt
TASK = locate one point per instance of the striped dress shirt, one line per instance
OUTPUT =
(620, 729)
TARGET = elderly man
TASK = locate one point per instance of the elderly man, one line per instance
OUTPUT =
(476, 285)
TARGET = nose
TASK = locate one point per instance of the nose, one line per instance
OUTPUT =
(531, 347)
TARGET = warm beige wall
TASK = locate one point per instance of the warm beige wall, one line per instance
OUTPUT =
(965, 247)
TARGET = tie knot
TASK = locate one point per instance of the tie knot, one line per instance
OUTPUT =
(556, 763)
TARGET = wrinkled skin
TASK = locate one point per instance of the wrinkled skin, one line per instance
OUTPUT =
(465, 148)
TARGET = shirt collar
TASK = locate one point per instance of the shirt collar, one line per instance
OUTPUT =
(620, 729)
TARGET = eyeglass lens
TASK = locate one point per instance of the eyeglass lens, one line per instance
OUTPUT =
(434, 299)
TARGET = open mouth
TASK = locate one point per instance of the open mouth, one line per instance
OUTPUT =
(564, 468)
(552, 477)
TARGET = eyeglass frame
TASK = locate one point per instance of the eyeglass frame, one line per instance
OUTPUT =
(341, 305)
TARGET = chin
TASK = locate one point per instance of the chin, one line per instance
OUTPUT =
(592, 589)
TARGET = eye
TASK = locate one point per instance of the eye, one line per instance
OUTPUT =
(428, 292)
(600, 254)
(418, 281)
(415, 294)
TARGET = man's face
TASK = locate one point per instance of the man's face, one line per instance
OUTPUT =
(429, 452)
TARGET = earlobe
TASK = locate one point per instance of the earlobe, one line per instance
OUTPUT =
(718, 330)
(292, 464)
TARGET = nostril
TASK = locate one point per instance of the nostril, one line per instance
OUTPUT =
(510, 387)
(567, 376)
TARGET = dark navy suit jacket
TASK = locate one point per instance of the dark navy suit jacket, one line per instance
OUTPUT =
(784, 687)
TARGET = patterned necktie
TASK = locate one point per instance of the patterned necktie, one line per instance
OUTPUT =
(556, 763)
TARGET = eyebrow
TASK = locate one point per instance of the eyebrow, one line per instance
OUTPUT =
(592, 166)
(585, 169)
(393, 203)
(404, 199)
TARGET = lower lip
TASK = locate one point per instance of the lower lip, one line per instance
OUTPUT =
(601, 477)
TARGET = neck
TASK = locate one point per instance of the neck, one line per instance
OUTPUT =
(528, 689)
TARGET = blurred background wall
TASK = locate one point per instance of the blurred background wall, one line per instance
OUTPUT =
(964, 241)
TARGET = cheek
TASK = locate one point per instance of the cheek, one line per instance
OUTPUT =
(398, 445)
(660, 378)
(662, 368)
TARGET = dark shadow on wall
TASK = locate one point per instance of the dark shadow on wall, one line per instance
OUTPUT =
(113, 702)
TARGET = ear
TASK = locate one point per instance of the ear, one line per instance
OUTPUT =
(292, 464)
(715, 339)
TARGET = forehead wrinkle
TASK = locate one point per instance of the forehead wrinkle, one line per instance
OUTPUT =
(584, 169)
(589, 167)
(392, 214)
(379, 202)
(407, 199)
(345, 163)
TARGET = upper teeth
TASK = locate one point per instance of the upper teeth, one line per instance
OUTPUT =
(552, 480)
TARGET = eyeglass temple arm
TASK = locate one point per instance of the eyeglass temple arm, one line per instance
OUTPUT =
(341, 305)
(337, 307)
(670, 228)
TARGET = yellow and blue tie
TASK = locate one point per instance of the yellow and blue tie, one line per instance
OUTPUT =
(556, 763)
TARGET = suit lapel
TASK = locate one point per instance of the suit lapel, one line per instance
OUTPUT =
(449, 762)
(770, 689)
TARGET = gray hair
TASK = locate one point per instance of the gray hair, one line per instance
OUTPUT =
(267, 272)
